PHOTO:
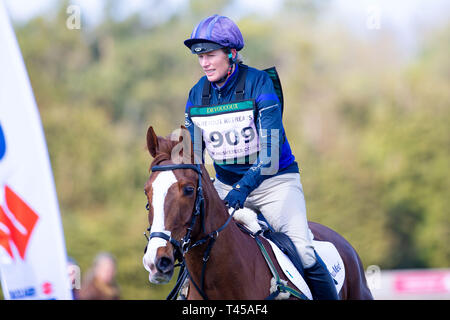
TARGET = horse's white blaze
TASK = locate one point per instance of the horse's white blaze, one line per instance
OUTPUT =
(160, 186)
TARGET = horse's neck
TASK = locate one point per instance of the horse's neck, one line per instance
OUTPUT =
(226, 266)
(216, 213)
(223, 258)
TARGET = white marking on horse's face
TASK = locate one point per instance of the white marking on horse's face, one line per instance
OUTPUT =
(160, 186)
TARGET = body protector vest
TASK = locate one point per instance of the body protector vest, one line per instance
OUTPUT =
(229, 130)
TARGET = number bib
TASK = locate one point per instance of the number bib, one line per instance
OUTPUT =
(228, 130)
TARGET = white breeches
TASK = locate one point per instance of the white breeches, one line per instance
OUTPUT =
(281, 201)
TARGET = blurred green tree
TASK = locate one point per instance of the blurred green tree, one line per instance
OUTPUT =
(369, 130)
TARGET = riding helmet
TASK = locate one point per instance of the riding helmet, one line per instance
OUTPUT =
(213, 33)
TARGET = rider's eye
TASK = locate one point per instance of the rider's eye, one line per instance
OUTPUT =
(188, 190)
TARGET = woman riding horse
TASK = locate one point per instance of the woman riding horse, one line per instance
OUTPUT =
(190, 223)
(234, 112)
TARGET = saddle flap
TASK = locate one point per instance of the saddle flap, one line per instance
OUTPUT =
(287, 247)
(287, 256)
(290, 271)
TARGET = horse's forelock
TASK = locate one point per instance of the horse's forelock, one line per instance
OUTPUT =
(158, 159)
(166, 145)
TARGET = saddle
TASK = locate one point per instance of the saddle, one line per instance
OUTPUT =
(286, 252)
(286, 255)
(285, 244)
(282, 241)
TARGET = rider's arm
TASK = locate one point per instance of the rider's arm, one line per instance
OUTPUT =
(271, 134)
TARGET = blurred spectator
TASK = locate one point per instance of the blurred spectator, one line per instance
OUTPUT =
(74, 276)
(99, 283)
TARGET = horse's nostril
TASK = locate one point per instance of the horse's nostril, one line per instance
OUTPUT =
(164, 265)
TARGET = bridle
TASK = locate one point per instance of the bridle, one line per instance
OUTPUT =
(181, 247)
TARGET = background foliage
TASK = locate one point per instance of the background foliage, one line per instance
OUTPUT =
(369, 128)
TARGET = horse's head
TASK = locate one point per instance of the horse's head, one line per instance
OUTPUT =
(171, 195)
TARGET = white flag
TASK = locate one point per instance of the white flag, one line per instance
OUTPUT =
(33, 260)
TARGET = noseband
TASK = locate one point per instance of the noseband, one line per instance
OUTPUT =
(184, 245)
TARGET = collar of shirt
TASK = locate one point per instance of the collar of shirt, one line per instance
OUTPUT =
(229, 83)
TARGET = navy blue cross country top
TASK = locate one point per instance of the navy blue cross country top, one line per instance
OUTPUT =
(266, 117)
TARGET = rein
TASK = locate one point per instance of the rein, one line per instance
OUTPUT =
(184, 245)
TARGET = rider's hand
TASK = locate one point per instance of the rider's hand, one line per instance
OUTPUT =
(236, 197)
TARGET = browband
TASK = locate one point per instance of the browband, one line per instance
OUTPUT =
(177, 166)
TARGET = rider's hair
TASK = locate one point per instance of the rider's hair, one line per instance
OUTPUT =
(239, 58)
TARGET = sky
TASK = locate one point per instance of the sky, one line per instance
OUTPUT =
(22, 10)
(405, 18)
(399, 11)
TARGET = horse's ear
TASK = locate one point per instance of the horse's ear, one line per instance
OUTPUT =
(182, 130)
(152, 141)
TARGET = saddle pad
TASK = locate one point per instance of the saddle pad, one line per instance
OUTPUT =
(332, 259)
(327, 252)
(290, 270)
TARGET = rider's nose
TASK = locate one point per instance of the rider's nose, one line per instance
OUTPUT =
(204, 62)
(164, 265)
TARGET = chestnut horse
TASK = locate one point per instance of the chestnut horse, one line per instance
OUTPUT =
(189, 222)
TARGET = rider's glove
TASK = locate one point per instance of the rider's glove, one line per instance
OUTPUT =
(236, 197)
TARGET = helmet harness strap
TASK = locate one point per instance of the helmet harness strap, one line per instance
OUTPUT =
(230, 68)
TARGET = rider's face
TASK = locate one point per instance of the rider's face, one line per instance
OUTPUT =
(214, 63)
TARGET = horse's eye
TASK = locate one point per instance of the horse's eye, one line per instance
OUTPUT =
(188, 190)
